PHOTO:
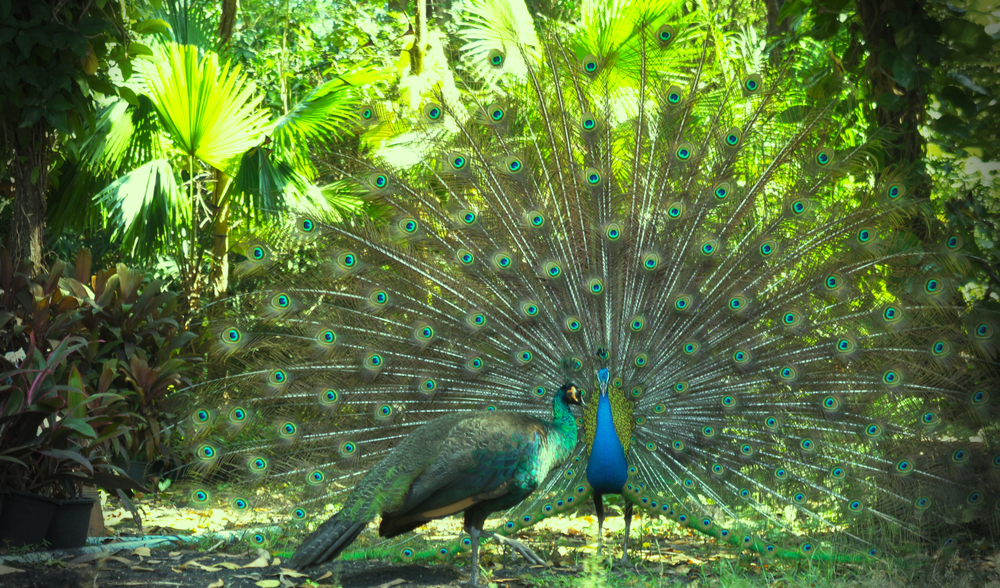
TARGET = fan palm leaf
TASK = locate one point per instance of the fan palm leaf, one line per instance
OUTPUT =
(209, 109)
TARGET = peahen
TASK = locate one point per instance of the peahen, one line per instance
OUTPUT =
(478, 462)
(771, 324)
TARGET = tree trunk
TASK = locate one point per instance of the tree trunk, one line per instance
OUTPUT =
(776, 28)
(419, 40)
(219, 278)
(906, 148)
(31, 148)
(226, 23)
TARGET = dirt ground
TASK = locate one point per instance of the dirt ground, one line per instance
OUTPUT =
(664, 556)
(566, 542)
(189, 569)
(257, 568)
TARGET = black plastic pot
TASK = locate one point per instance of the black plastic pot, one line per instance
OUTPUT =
(69, 524)
(25, 518)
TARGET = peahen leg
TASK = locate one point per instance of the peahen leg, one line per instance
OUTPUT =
(599, 508)
(628, 526)
(474, 533)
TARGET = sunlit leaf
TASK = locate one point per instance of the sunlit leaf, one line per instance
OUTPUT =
(145, 207)
(186, 25)
(322, 114)
(209, 110)
(126, 135)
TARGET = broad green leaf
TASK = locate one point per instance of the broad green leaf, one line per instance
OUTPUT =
(146, 208)
(152, 26)
(969, 37)
(80, 426)
(71, 455)
(76, 397)
(208, 109)
(139, 49)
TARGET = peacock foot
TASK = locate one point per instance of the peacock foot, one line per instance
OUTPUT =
(520, 548)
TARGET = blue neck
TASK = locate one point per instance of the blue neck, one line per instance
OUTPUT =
(607, 470)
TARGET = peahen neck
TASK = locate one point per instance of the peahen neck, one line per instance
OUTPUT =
(607, 469)
(562, 436)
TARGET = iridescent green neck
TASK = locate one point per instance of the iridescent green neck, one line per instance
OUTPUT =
(563, 425)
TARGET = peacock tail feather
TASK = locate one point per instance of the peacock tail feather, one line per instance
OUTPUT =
(795, 370)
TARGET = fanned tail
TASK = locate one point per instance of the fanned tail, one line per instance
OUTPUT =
(796, 370)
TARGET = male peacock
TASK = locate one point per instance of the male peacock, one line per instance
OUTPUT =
(784, 359)
(477, 462)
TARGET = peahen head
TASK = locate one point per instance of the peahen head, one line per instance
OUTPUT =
(571, 394)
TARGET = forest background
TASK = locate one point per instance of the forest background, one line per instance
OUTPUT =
(100, 148)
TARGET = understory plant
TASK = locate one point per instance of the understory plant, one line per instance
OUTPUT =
(91, 366)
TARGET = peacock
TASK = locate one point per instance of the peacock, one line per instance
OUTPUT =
(767, 321)
(478, 462)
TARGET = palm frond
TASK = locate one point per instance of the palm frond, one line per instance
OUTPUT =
(260, 186)
(209, 109)
(125, 136)
(323, 113)
(188, 25)
(145, 208)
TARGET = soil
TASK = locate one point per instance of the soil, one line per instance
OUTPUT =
(259, 569)
(192, 569)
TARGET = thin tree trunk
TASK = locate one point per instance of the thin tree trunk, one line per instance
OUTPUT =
(282, 65)
(226, 23)
(31, 150)
(219, 279)
(190, 262)
(420, 38)
(776, 28)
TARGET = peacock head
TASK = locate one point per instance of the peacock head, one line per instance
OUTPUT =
(603, 375)
(571, 394)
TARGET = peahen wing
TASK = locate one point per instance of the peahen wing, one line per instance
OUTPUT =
(782, 314)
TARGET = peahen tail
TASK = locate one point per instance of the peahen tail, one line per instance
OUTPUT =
(329, 539)
(794, 368)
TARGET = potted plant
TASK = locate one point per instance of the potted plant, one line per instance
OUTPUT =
(102, 360)
(53, 444)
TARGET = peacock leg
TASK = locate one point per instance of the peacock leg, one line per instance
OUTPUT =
(474, 533)
(517, 546)
(628, 526)
(599, 507)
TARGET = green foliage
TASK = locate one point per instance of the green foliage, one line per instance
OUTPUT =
(52, 54)
(208, 110)
(189, 145)
(93, 364)
(929, 70)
